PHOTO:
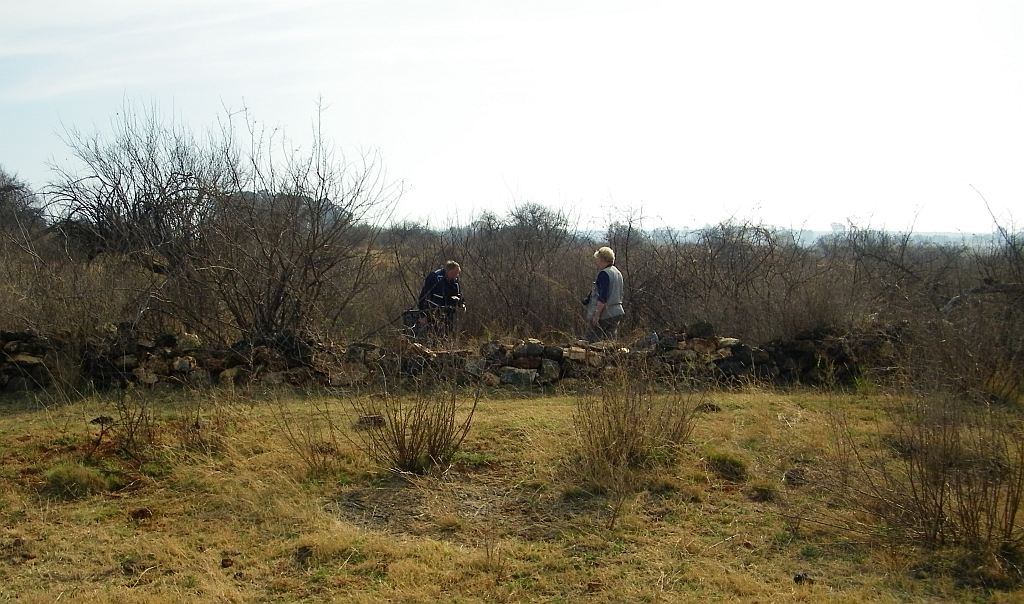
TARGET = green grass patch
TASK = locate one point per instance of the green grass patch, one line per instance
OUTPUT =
(70, 481)
(473, 460)
(762, 492)
(728, 466)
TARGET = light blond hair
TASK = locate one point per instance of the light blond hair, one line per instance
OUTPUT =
(605, 254)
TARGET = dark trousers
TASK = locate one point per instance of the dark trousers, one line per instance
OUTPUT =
(606, 329)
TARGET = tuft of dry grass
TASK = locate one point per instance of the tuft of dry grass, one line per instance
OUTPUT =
(73, 481)
(941, 472)
(626, 423)
(416, 432)
(728, 466)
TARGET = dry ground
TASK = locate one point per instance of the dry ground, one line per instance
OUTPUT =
(224, 508)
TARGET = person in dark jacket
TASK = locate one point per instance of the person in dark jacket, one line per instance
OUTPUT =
(441, 297)
(441, 288)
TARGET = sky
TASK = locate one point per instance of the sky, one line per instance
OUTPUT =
(892, 114)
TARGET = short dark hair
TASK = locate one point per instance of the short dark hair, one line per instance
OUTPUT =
(449, 265)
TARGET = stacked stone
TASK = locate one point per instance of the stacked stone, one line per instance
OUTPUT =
(275, 361)
(23, 361)
(519, 364)
(120, 356)
(812, 358)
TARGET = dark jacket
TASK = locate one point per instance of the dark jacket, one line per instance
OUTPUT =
(438, 291)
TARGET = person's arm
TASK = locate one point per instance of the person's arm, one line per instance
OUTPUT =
(430, 291)
(428, 284)
(603, 285)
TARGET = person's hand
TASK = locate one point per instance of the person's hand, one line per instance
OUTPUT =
(594, 320)
(422, 320)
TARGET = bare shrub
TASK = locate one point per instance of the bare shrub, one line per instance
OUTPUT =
(41, 286)
(491, 559)
(134, 429)
(312, 432)
(419, 431)
(620, 481)
(294, 255)
(232, 237)
(626, 420)
(625, 428)
(207, 419)
(961, 307)
(20, 213)
(975, 348)
(754, 281)
(950, 473)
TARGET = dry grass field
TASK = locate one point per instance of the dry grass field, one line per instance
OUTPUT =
(237, 499)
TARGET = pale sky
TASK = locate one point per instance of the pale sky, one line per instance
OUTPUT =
(794, 113)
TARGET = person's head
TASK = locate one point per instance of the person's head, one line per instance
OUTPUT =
(452, 270)
(604, 257)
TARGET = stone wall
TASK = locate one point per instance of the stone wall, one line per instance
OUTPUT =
(120, 356)
(23, 360)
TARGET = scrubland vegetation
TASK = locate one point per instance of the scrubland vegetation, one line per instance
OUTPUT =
(243, 498)
(900, 483)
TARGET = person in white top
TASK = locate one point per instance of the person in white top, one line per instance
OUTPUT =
(604, 304)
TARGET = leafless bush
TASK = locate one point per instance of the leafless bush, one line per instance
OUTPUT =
(134, 429)
(235, 242)
(294, 243)
(492, 559)
(20, 214)
(950, 473)
(42, 286)
(754, 281)
(311, 429)
(625, 428)
(963, 313)
(626, 421)
(415, 432)
(141, 193)
(206, 421)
